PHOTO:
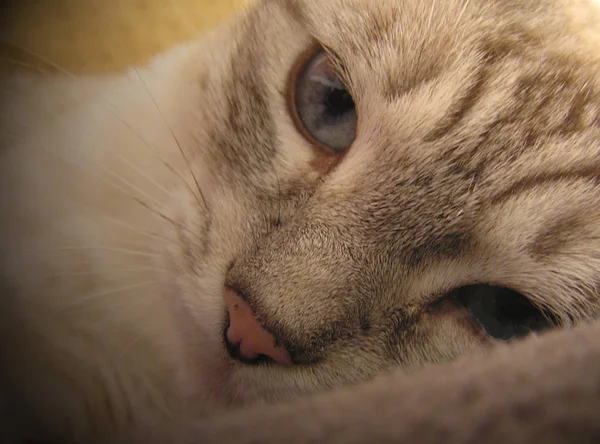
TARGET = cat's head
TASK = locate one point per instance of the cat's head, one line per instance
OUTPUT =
(391, 183)
(316, 192)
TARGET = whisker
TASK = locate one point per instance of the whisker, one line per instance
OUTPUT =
(156, 153)
(110, 173)
(110, 107)
(166, 218)
(39, 57)
(101, 271)
(129, 164)
(127, 183)
(124, 251)
(144, 175)
(204, 203)
(105, 292)
(150, 234)
(24, 65)
(108, 104)
(125, 192)
(136, 230)
(102, 178)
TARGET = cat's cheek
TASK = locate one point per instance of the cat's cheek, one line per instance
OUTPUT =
(195, 304)
(195, 255)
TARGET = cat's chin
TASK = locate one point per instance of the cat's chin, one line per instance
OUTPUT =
(199, 319)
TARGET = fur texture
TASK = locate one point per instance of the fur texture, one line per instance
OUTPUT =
(129, 202)
(542, 390)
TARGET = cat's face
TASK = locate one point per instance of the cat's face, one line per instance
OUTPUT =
(366, 159)
(341, 167)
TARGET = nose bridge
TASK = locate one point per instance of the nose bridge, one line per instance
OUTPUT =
(300, 281)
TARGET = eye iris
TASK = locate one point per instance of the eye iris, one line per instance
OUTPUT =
(323, 109)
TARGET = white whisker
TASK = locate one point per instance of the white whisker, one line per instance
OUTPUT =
(110, 107)
(95, 174)
(105, 292)
(117, 187)
(98, 271)
(144, 175)
(136, 230)
(24, 65)
(124, 251)
(204, 203)
(59, 68)
(156, 153)
(126, 182)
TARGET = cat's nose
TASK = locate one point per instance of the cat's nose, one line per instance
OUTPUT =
(247, 340)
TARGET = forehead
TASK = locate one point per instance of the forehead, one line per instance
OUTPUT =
(392, 41)
(378, 21)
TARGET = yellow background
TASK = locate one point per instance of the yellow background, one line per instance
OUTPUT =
(91, 36)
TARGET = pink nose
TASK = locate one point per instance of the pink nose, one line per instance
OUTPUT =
(245, 332)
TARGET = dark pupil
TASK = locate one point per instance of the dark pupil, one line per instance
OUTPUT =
(339, 102)
(502, 312)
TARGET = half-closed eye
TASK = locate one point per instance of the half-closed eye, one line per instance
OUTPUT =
(501, 312)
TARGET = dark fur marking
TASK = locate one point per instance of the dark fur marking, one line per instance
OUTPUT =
(246, 139)
(493, 52)
(447, 245)
(573, 121)
(294, 9)
(552, 238)
(401, 326)
(525, 184)
(461, 108)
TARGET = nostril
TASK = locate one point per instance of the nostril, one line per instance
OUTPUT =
(246, 339)
(235, 352)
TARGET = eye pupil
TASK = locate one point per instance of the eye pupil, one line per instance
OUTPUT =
(512, 310)
(503, 313)
(339, 102)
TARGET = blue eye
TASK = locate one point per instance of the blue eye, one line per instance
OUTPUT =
(324, 108)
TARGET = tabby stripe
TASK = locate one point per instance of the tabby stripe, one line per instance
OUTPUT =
(590, 173)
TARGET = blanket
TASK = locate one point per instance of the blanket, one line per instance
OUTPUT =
(542, 390)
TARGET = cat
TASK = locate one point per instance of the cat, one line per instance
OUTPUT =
(310, 195)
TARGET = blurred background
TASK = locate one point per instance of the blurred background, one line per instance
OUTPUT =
(96, 36)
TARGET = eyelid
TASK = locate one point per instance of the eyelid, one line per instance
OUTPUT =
(340, 70)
